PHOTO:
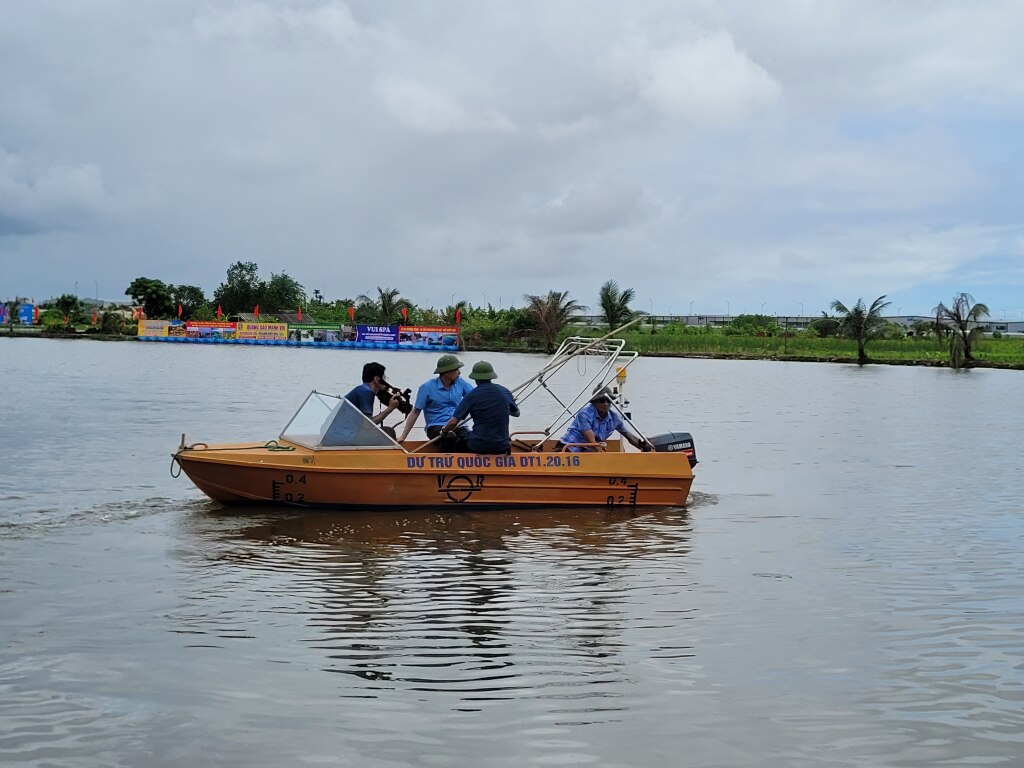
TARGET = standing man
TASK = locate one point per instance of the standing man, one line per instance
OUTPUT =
(437, 398)
(364, 395)
(490, 405)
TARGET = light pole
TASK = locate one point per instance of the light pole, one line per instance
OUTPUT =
(691, 305)
(76, 289)
(801, 308)
(728, 308)
(96, 296)
(453, 300)
(762, 306)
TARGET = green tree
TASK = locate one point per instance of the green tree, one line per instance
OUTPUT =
(386, 309)
(111, 322)
(551, 314)
(12, 311)
(191, 298)
(242, 290)
(283, 293)
(824, 326)
(862, 324)
(615, 304)
(963, 319)
(70, 307)
(153, 296)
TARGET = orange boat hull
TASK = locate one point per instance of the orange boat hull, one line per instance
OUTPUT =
(366, 478)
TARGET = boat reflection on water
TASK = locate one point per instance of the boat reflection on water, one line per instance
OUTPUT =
(481, 604)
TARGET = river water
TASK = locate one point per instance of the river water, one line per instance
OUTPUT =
(843, 589)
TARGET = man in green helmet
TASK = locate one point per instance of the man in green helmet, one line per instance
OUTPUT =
(490, 405)
(437, 398)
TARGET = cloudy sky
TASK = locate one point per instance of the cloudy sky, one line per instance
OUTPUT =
(742, 157)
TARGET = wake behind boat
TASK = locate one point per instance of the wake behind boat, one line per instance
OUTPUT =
(331, 455)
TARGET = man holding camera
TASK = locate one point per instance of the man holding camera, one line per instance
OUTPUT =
(363, 396)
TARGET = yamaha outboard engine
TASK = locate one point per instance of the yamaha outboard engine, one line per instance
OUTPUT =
(672, 442)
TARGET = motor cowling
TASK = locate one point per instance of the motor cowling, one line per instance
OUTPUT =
(675, 442)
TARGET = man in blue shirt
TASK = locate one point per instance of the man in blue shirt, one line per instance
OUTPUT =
(364, 395)
(437, 398)
(594, 423)
(490, 405)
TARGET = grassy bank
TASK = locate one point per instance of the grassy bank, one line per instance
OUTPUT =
(1000, 353)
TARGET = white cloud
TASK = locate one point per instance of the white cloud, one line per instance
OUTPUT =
(705, 81)
(53, 197)
(278, 24)
(430, 110)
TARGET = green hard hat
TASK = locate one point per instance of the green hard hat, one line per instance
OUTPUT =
(448, 363)
(483, 371)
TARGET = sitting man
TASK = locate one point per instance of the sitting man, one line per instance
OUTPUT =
(593, 424)
(490, 405)
(364, 395)
(437, 398)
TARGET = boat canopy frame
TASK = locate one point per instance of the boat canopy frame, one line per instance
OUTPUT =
(612, 361)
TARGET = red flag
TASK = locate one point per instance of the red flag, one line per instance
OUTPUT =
(351, 313)
(142, 314)
(179, 309)
(218, 312)
(458, 316)
(94, 316)
(300, 314)
(35, 313)
(405, 313)
(256, 311)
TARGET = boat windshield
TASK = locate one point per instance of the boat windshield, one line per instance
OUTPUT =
(330, 421)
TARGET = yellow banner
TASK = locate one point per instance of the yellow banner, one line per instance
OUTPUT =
(263, 331)
(153, 327)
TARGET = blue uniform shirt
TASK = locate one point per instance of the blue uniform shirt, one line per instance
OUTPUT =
(437, 403)
(490, 405)
(588, 418)
(362, 397)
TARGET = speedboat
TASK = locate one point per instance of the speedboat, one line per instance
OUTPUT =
(331, 455)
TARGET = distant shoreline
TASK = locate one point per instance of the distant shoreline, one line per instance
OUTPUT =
(996, 365)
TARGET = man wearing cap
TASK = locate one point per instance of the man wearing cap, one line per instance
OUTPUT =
(490, 405)
(594, 423)
(436, 398)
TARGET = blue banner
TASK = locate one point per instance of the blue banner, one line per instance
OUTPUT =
(387, 334)
(26, 314)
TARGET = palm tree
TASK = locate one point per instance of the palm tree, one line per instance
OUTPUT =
(615, 304)
(552, 313)
(861, 324)
(387, 307)
(963, 319)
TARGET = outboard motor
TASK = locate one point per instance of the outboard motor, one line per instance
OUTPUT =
(672, 442)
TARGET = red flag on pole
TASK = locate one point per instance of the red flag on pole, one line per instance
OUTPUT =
(351, 313)
(94, 316)
(405, 313)
(300, 314)
(219, 313)
(179, 309)
(256, 311)
(142, 314)
(35, 313)
(458, 316)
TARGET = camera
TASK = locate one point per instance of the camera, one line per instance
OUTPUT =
(387, 391)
